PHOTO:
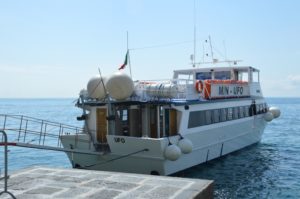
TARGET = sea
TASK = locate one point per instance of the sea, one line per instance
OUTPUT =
(268, 169)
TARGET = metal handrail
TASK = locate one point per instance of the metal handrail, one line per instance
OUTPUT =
(5, 166)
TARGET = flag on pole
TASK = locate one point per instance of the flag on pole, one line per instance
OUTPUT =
(125, 61)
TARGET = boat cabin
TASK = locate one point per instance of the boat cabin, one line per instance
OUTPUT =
(153, 110)
(247, 74)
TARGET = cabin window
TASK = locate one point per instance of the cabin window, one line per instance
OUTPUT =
(208, 117)
(243, 76)
(223, 115)
(265, 107)
(229, 114)
(236, 113)
(201, 118)
(185, 76)
(135, 121)
(216, 115)
(161, 121)
(203, 75)
(259, 108)
(246, 111)
(222, 75)
(241, 112)
(255, 76)
(122, 123)
(196, 118)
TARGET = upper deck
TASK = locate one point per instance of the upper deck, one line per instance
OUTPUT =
(195, 84)
(239, 73)
(203, 84)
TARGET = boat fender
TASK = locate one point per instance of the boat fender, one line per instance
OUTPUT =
(95, 87)
(172, 152)
(199, 86)
(185, 145)
(84, 93)
(268, 116)
(119, 86)
(275, 111)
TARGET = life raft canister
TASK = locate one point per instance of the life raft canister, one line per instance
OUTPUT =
(199, 86)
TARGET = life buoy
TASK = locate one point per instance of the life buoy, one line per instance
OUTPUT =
(199, 86)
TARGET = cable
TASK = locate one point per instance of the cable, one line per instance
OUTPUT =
(127, 155)
(161, 45)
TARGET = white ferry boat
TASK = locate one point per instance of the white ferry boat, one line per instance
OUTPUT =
(162, 127)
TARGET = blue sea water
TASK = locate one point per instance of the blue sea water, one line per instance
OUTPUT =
(269, 169)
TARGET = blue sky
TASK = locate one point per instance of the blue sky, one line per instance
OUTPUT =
(51, 48)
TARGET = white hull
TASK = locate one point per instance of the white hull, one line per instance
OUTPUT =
(232, 136)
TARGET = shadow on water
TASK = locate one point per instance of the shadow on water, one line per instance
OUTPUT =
(243, 174)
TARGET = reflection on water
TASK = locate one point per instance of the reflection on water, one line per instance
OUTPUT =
(239, 173)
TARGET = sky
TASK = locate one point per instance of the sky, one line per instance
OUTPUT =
(51, 48)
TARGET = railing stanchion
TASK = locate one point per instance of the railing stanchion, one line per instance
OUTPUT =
(20, 129)
(5, 166)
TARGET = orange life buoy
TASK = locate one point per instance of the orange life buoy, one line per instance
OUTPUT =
(199, 86)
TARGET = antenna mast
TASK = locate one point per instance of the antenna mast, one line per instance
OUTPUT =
(211, 50)
(128, 55)
(194, 57)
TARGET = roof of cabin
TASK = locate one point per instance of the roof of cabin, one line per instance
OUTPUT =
(209, 69)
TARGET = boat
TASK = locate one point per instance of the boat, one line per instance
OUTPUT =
(161, 127)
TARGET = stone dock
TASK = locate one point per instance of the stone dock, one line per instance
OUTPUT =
(43, 182)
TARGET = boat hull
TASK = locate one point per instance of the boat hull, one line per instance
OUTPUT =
(209, 142)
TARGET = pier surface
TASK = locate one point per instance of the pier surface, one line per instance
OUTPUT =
(44, 182)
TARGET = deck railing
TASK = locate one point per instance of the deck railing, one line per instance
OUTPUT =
(5, 178)
(29, 130)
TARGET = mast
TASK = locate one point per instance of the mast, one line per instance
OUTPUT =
(128, 55)
(194, 57)
(211, 50)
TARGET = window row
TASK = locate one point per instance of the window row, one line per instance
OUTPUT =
(201, 118)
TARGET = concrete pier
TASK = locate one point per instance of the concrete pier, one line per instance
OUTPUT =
(44, 182)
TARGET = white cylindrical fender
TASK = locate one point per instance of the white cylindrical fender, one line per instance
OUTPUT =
(120, 86)
(95, 87)
(172, 152)
(185, 145)
(83, 92)
(268, 116)
(275, 111)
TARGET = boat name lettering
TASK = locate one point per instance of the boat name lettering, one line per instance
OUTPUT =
(117, 140)
(226, 90)
(238, 90)
(223, 90)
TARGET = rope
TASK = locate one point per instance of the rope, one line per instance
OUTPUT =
(125, 156)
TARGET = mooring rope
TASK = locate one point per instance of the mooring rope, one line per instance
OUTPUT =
(124, 156)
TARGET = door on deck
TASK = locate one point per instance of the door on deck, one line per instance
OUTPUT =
(153, 122)
(101, 124)
(171, 122)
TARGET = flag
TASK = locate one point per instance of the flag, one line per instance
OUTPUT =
(125, 61)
